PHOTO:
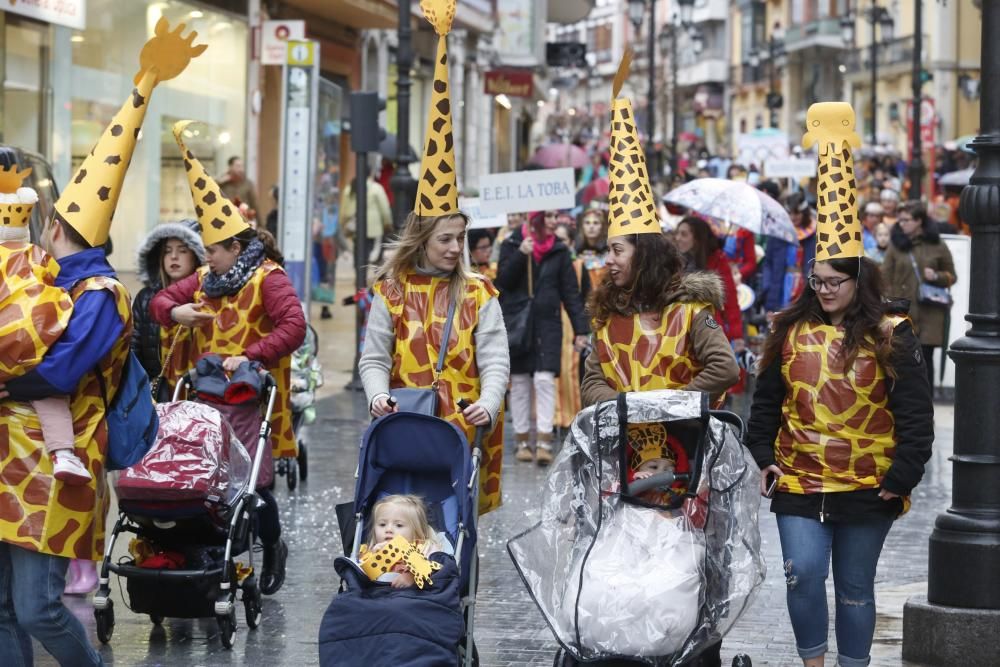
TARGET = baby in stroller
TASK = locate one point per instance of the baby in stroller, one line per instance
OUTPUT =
(400, 541)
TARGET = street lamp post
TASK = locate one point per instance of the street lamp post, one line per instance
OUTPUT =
(775, 48)
(916, 169)
(957, 623)
(636, 11)
(668, 45)
(404, 186)
(876, 15)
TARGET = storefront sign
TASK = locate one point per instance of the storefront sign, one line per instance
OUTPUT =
(520, 39)
(509, 82)
(70, 13)
(274, 36)
(520, 191)
(298, 157)
(472, 207)
(794, 168)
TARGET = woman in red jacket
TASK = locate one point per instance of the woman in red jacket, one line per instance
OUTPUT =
(702, 252)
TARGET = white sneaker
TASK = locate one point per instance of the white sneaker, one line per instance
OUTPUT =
(67, 467)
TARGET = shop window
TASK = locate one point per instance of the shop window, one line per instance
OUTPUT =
(25, 48)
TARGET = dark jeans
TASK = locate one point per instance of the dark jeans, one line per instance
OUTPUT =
(268, 522)
(806, 547)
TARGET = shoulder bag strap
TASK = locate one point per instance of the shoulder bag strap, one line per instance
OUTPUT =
(916, 271)
(166, 362)
(445, 335)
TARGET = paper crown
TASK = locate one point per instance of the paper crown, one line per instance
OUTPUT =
(437, 192)
(830, 125)
(648, 442)
(218, 218)
(88, 202)
(16, 201)
(377, 563)
(632, 209)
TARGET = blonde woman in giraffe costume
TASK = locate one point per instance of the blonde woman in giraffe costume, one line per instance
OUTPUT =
(44, 523)
(243, 307)
(842, 417)
(414, 289)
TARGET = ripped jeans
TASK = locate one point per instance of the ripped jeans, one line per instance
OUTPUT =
(807, 546)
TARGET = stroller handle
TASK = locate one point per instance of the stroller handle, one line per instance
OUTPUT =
(732, 419)
(660, 480)
(477, 455)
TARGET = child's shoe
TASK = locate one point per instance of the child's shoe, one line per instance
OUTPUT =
(68, 468)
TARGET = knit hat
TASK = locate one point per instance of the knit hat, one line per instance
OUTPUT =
(838, 225)
(630, 199)
(437, 192)
(89, 200)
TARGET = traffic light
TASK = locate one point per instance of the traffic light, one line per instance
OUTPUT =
(925, 76)
(366, 135)
(566, 54)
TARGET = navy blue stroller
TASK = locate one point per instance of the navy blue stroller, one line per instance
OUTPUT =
(413, 454)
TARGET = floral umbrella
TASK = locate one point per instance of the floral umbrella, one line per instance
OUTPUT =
(552, 156)
(725, 203)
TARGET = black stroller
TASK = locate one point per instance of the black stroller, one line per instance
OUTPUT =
(621, 577)
(190, 504)
(412, 454)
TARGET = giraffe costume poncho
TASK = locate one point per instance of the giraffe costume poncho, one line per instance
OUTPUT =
(418, 306)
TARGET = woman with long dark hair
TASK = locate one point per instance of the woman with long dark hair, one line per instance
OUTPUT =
(842, 419)
(917, 255)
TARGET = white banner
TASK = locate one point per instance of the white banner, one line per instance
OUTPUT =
(756, 148)
(472, 207)
(794, 168)
(521, 191)
(274, 36)
(70, 13)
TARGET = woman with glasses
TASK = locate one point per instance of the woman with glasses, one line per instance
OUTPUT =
(841, 426)
(917, 255)
(480, 250)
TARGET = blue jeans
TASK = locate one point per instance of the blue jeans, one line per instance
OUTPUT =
(806, 548)
(31, 586)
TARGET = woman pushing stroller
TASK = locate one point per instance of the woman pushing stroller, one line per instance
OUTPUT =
(242, 306)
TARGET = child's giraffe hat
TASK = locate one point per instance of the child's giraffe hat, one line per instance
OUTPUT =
(218, 218)
(838, 225)
(632, 209)
(16, 201)
(88, 202)
(437, 192)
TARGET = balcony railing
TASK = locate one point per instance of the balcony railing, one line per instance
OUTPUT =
(825, 31)
(747, 75)
(897, 52)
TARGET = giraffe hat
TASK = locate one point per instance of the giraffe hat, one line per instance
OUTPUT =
(632, 209)
(218, 218)
(88, 202)
(437, 192)
(838, 226)
(16, 201)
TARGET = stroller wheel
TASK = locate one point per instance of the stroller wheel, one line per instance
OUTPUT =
(742, 660)
(252, 604)
(156, 619)
(293, 474)
(227, 628)
(105, 622)
(303, 460)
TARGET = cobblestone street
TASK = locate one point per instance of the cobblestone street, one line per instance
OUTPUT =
(509, 629)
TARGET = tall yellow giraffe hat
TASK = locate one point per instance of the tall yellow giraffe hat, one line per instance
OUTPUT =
(218, 218)
(437, 192)
(16, 201)
(838, 225)
(632, 209)
(88, 202)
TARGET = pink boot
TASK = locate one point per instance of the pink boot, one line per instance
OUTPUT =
(84, 580)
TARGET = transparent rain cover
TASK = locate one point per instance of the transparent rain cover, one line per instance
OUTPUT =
(196, 456)
(617, 579)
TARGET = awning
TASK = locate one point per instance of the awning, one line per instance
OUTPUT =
(359, 14)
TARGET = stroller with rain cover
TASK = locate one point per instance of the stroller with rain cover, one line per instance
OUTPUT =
(416, 454)
(190, 503)
(621, 578)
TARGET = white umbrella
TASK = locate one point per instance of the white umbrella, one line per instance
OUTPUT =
(726, 203)
(956, 178)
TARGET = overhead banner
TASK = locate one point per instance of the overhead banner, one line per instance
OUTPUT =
(472, 207)
(521, 191)
(70, 13)
(794, 168)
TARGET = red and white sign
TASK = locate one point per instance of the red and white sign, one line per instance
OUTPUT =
(70, 13)
(928, 121)
(274, 40)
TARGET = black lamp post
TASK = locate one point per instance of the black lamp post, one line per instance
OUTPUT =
(877, 16)
(636, 13)
(404, 186)
(773, 49)
(956, 624)
(668, 45)
(916, 168)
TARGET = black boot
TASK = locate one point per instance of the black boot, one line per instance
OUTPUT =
(273, 574)
(325, 314)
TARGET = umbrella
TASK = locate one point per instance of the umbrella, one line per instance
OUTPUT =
(725, 203)
(956, 178)
(553, 156)
(596, 189)
(388, 148)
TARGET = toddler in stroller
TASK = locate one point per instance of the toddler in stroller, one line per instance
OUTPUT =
(423, 625)
(191, 504)
(651, 568)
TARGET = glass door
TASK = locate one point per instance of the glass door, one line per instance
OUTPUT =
(25, 80)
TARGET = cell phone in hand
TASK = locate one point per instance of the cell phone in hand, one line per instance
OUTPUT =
(772, 484)
(464, 404)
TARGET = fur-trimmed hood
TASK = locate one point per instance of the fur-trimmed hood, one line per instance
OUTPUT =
(147, 257)
(702, 287)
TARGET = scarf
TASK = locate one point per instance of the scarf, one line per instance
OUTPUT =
(542, 247)
(233, 280)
